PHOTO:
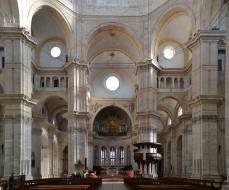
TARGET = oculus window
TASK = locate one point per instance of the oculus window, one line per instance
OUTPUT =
(112, 83)
(169, 52)
(55, 52)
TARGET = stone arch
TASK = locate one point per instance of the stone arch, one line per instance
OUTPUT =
(102, 107)
(120, 116)
(168, 14)
(64, 23)
(116, 27)
(52, 104)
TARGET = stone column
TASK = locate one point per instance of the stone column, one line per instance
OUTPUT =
(77, 115)
(17, 140)
(205, 99)
(187, 145)
(147, 116)
(36, 146)
(17, 101)
(50, 154)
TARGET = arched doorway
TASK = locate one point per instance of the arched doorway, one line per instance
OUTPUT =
(112, 138)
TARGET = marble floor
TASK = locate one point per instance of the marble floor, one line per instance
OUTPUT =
(113, 186)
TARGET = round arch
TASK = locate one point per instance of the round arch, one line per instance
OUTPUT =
(107, 106)
(168, 14)
(56, 11)
(114, 26)
(170, 97)
(118, 106)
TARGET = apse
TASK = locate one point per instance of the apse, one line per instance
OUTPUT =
(112, 121)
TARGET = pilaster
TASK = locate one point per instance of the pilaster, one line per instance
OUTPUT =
(204, 103)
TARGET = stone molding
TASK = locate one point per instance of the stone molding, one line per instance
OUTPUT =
(14, 33)
(206, 35)
(17, 98)
(206, 99)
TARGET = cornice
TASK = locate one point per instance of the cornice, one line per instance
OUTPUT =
(205, 99)
(17, 98)
(148, 114)
(49, 69)
(14, 33)
(147, 64)
(175, 71)
(76, 63)
(206, 35)
(76, 114)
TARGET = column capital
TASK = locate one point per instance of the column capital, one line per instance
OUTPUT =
(206, 35)
(147, 64)
(76, 115)
(76, 64)
(17, 98)
(15, 32)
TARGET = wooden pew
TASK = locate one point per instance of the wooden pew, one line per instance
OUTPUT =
(145, 183)
(93, 183)
(61, 187)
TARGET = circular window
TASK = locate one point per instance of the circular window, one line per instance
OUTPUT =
(169, 52)
(55, 52)
(112, 83)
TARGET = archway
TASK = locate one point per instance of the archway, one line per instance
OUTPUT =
(112, 139)
(112, 121)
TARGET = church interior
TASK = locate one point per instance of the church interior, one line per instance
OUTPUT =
(129, 93)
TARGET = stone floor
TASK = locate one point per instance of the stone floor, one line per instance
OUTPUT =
(113, 186)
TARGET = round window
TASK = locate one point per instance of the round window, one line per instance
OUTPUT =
(55, 52)
(169, 52)
(112, 83)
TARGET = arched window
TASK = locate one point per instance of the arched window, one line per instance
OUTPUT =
(175, 83)
(162, 83)
(112, 156)
(121, 155)
(48, 82)
(55, 82)
(169, 82)
(181, 83)
(103, 155)
(180, 111)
